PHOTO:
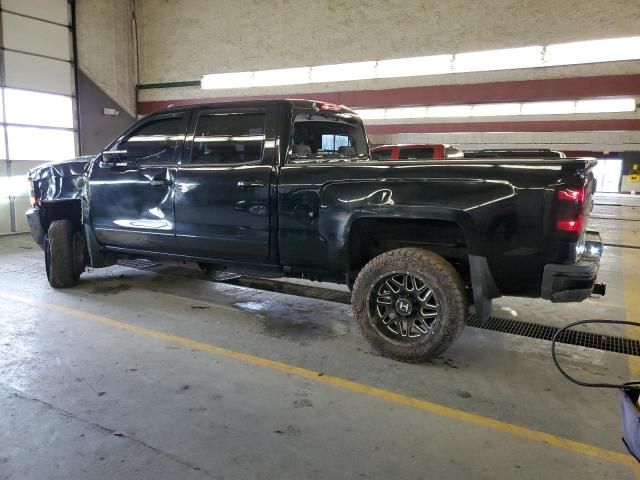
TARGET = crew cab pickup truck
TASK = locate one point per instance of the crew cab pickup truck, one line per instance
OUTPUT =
(287, 188)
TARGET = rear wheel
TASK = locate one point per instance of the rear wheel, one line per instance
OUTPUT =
(410, 304)
(64, 254)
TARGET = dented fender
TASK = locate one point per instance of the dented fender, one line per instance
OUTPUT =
(57, 181)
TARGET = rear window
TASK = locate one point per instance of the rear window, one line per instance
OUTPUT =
(327, 135)
(418, 153)
(381, 154)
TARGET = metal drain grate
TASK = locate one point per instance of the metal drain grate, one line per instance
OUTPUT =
(620, 245)
(580, 338)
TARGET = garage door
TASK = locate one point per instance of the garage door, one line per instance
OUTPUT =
(37, 115)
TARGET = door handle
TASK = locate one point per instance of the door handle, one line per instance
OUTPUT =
(161, 183)
(243, 184)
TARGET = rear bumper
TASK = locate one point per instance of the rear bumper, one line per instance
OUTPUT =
(574, 282)
(35, 226)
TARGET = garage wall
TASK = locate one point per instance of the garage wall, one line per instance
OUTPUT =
(183, 39)
(37, 98)
(107, 64)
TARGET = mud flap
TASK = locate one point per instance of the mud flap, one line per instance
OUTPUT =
(484, 287)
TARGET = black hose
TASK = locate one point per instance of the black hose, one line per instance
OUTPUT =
(624, 386)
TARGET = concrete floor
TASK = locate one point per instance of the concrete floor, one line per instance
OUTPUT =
(136, 374)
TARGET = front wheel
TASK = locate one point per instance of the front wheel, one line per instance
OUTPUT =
(64, 254)
(410, 304)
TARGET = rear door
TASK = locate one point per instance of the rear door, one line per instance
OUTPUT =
(131, 193)
(223, 188)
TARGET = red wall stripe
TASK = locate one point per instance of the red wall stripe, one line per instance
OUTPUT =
(512, 91)
(535, 126)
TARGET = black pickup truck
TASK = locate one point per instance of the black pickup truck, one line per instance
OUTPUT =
(286, 188)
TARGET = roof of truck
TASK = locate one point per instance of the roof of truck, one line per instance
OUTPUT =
(297, 103)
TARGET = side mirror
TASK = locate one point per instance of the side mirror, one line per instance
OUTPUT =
(115, 158)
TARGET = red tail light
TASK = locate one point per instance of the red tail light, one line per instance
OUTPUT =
(570, 209)
(572, 195)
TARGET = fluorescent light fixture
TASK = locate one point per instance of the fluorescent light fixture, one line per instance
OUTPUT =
(414, 66)
(561, 54)
(283, 76)
(216, 81)
(606, 105)
(372, 113)
(503, 59)
(565, 107)
(496, 109)
(592, 51)
(549, 108)
(342, 72)
(406, 112)
(449, 111)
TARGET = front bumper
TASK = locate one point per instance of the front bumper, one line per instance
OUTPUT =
(574, 282)
(35, 226)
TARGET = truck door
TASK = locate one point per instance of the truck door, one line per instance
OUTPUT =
(223, 187)
(131, 192)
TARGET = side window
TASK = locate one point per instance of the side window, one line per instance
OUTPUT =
(381, 154)
(415, 153)
(228, 138)
(155, 142)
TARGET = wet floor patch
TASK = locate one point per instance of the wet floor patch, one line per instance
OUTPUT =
(294, 321)
(110, 290)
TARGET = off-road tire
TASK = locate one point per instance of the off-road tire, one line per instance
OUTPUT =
(63, 255)
(447, 286)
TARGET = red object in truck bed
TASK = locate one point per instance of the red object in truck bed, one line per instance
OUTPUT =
(415, 151)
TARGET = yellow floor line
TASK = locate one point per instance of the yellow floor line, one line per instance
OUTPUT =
(441, 410)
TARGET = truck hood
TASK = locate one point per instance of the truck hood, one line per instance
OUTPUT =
(60, 180)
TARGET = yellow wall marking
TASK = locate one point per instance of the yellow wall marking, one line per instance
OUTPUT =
(516, 430)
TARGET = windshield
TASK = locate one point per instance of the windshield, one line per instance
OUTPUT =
(328, 135)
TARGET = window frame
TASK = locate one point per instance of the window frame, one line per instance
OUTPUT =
(177, 153)
(189, 145)
(318, 161)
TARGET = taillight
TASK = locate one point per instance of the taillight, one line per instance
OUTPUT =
(570, 210)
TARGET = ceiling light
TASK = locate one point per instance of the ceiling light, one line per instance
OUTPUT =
(282, 76)
(227, 80)
(549, 108)
(606, 105)
(372, 113)
(591, 51)
(496, 109)
(342, 72)
(564, 107)
(414, 66)
(449, 111)
(503, 59)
